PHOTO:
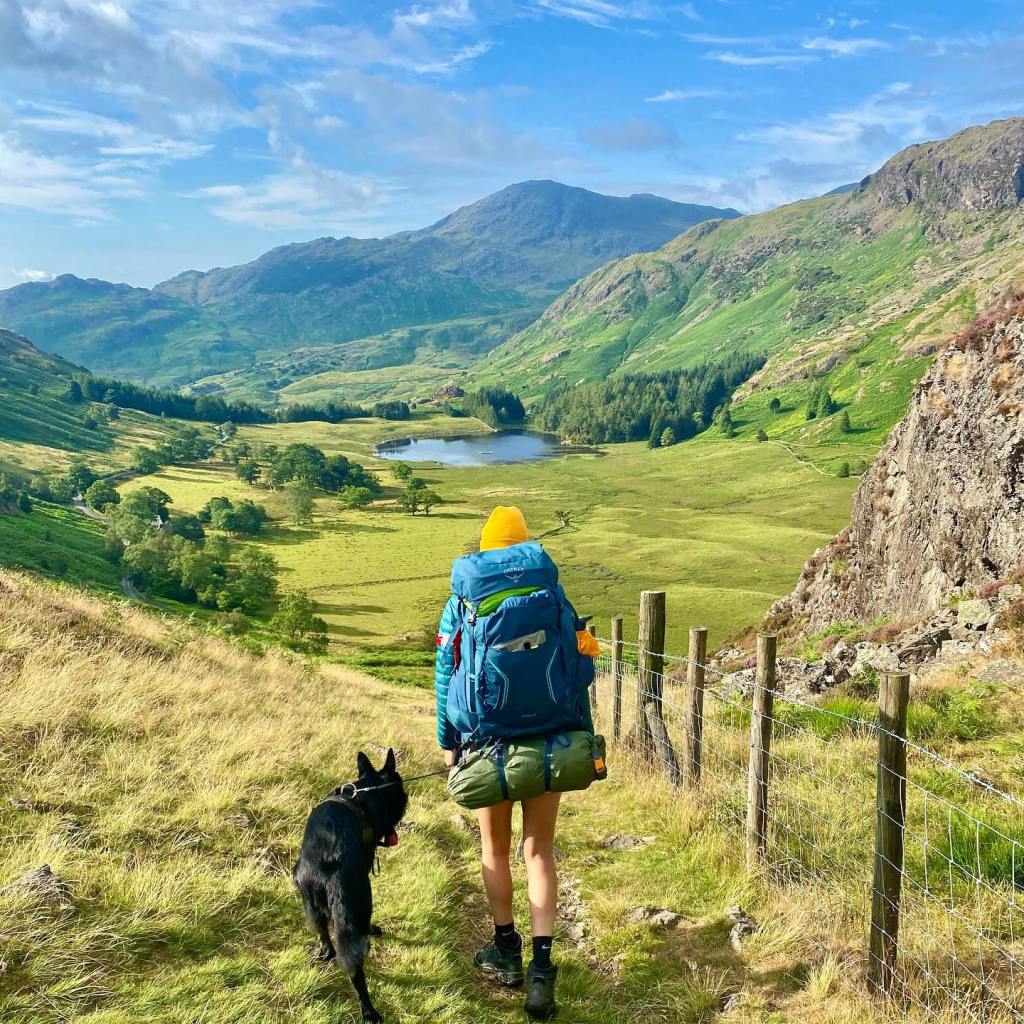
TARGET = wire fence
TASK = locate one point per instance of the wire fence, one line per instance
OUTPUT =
(941, 911)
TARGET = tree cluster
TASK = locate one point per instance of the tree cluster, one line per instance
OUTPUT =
(13, 497)
(276, 467)
(392, 410)
(172, 556)
(242, 518)
(495, 406)
(298, 625)
(203, 408)
(418, 497)
(160, 402)
(642, 407)
(820, 403)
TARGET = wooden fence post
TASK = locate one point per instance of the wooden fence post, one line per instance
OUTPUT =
(651, 674)
(697, 657)
(760, 750)
(592, 630)
(890, 816)
(616, 677)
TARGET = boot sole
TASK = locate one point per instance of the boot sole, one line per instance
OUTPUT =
(541, 1014)
(503, 978)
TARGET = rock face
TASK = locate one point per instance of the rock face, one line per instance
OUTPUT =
(980, 168)
(942, 508)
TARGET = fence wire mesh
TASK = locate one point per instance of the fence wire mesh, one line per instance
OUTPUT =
(959, 949)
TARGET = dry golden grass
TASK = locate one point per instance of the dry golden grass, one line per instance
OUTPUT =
(165, 775)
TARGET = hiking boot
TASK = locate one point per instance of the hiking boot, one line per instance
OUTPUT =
(540, 992)
(503, 965)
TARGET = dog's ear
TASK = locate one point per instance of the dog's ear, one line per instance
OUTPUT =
(390, 763)
(363, 765)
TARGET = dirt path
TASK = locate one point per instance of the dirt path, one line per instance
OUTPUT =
(803, 462)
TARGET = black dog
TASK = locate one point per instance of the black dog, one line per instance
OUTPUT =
(338, 851)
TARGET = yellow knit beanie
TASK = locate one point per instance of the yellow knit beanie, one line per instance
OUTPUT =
(505, 526)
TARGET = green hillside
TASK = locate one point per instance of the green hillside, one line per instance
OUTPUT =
(857, 290)
(476, 276)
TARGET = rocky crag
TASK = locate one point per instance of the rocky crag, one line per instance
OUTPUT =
(940, 513)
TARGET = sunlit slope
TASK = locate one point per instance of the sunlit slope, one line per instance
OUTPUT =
(857, 289)
(40, 429)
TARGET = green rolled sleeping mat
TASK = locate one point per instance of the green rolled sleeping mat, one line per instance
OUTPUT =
(527, 767)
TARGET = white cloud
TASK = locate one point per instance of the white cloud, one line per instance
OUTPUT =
(684, 95)
(711, 39)
(460, 56)
(599, 13)
(33, 275)
(50, 185)
(303, 197)
(420, 17)
(777, 60)
(689, 11)
(885, 122)
(843, 47)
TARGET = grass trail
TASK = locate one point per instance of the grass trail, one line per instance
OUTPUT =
(166, 775)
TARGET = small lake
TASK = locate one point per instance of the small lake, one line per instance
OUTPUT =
(502, 448)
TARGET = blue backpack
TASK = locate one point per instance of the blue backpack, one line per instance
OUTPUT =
(519, 672)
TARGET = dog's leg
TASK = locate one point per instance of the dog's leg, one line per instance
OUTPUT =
(375, 931)
(326, 953)
(359, 984)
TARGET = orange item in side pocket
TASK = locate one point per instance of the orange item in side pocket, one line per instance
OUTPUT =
(586, 643)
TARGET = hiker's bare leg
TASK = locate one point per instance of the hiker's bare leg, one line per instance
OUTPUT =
(495, 846)
(539, 817)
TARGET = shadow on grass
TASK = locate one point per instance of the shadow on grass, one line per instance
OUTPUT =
(348, 526)
(348, 609)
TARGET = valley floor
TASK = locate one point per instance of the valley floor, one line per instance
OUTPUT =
(723, 526)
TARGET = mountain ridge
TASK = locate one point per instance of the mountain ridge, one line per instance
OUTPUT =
(856, 288)
(506, 255)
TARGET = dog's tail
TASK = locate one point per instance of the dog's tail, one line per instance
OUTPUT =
(350, 944)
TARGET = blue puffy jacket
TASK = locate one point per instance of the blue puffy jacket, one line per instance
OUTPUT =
(444, 666)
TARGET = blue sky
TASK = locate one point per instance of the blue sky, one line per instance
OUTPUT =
(139, 139)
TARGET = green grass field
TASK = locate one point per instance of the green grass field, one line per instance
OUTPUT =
(722, 526)
(61, 543)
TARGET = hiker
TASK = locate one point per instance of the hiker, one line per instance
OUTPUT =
(526, 590)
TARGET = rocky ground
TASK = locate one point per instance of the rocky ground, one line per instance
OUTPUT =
(972, 630)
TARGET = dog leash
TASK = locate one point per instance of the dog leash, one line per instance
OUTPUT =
(350, 789)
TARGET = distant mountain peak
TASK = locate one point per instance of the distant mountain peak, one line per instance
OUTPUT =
(488, 268)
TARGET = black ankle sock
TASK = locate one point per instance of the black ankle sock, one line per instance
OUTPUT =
(542, 952)
(507, 938)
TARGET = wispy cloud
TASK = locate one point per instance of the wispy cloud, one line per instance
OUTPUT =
(887, 120)
(689, 11)
(452, 61)
(113, 137)
(302, 197)
(685, 95)
(713, 39)
(59, 186)
(843, 47)
(420, 16)
(599, 13)
(743, 60)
